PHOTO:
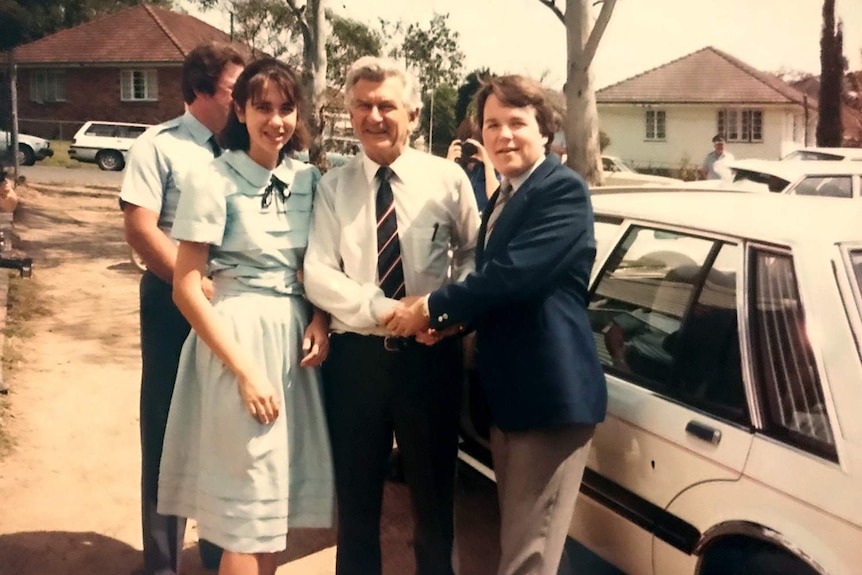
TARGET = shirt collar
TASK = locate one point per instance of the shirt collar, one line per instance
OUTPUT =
(200, 133)
(254, 173)
(518, 181)
(400, 167)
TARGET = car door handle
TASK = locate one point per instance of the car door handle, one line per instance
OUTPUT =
(704, 432)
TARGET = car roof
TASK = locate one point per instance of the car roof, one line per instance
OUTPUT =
(111, 123)
(766, 217)
(847, 152)
(792, 169)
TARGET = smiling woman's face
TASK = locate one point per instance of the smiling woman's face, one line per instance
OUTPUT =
(270, 119)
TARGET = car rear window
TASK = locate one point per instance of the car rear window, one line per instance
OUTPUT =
(784, 363)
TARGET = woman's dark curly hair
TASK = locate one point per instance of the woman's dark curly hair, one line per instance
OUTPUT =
(250, 86)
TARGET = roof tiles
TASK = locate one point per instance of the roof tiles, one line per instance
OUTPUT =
(708, 76)
(142, 33)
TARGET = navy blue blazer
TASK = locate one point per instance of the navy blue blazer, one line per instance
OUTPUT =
(528, 302)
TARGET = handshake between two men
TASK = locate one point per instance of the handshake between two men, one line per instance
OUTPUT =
(409, 317)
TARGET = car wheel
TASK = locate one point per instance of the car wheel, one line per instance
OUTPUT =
(749, 558)
(110, 161)
(26, 156)
(137, 260)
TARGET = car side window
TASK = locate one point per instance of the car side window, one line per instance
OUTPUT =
(830, 186)
(784, 365)
(664, 317)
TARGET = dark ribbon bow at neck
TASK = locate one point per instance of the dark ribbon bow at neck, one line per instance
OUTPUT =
(274, 184)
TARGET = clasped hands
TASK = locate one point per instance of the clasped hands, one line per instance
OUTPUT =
(408, 319)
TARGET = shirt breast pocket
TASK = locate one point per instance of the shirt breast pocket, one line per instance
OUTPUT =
(431, 249)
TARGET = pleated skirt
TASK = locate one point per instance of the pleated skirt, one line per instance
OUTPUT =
(244, 482)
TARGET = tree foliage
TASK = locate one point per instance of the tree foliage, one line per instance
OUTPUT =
(432, 52)
(829, 128)
(23, 21)
(445, 124)
(466, 91)
(349, 40)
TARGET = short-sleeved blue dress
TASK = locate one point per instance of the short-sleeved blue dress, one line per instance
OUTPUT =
(245, 482)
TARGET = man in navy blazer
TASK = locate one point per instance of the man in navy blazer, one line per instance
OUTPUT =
(527, 301)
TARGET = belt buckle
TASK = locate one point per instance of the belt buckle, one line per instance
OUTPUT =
(392, 343)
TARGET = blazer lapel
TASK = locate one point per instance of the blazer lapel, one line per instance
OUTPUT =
(503, 228)
(483, 227)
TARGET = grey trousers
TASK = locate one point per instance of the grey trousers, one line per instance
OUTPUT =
(539, 475)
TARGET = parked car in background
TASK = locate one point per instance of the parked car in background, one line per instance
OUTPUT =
(105, 143)
(839, 179)
(618, 173)
(820, 154)
(30, 148)
(729, 328)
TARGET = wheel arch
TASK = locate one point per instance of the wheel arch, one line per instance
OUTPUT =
(746, 531)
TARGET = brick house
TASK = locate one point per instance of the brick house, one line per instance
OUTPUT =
(125, 66)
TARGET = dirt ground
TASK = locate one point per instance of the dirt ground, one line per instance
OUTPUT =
(69, 492)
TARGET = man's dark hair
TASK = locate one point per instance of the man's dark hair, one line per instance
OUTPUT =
(203, 67)
(718, 138)
(516, 91)
(249, 87)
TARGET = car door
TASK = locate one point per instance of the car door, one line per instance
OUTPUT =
(664, 312)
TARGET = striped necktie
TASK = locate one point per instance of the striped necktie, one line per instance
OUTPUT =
(505, 196)
(389, 269)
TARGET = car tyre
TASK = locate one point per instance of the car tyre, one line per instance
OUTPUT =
(26, 155)
(110, 160)
(753, 559)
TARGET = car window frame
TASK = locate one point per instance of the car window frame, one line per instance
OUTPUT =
(855, 291)
(626, 226)
(790, 189)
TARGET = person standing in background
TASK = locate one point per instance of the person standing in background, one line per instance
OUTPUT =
(715, 165)
(158, 161)
(471, 155)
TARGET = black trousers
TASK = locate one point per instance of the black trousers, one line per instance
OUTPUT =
(371, 393)
(163, 331)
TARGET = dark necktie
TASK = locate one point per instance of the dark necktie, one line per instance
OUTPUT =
(389, 269)
(214, 146)
(274, 185)
(502, 198)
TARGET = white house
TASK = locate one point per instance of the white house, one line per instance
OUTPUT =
(666, 117)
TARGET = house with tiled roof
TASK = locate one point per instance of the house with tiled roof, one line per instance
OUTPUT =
(667, 116)
(125, 66)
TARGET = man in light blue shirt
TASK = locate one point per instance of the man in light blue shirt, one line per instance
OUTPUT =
(158, 162)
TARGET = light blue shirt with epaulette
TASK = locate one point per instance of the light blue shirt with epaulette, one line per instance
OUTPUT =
(159, 160)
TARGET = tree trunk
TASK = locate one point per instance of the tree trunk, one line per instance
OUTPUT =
(830, 131)
(314, 75)
(582, 122)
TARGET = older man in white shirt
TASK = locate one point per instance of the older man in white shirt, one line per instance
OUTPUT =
(394, 223)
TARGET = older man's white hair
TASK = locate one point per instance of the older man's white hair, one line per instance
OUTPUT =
(377, 69)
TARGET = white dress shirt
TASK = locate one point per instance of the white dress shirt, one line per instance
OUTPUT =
(437, 227)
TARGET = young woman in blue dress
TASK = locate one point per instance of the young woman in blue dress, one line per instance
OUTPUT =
(246, 449)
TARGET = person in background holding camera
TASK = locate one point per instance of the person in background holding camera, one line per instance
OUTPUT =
(472, 156)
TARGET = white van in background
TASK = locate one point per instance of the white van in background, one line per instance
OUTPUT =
(105, 143)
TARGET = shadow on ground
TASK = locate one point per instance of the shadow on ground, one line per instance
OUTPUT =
(65, 553)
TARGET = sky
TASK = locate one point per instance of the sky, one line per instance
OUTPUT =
(525, 37)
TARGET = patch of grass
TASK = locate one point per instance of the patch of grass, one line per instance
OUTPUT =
(61, 158)
(25, 302)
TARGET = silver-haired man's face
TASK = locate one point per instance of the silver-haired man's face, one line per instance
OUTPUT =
(380, 119)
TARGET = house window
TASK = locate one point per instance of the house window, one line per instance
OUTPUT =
(741, 125)
(139, 85)
(655, 125)
(48, 86)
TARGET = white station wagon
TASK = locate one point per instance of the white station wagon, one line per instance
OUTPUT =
(730, 329)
